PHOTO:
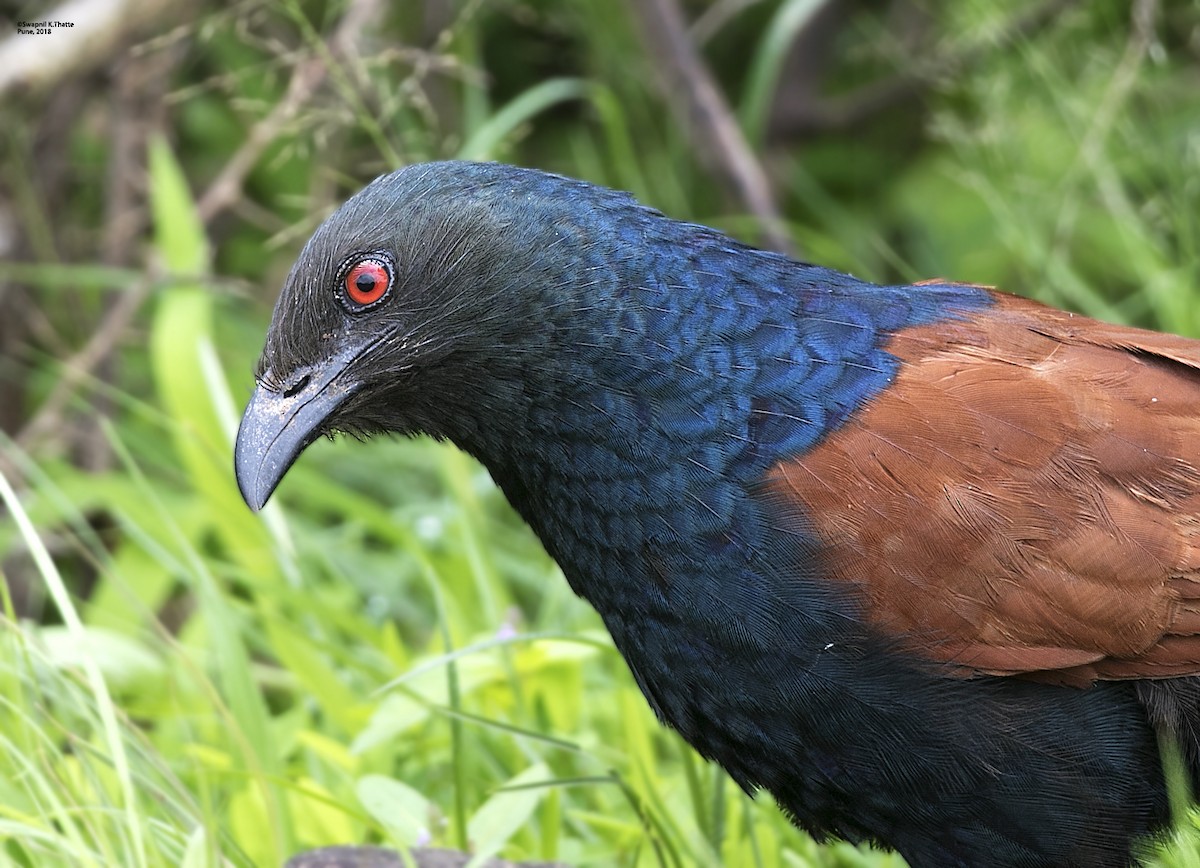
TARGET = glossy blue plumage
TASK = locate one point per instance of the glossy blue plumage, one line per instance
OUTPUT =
(630, 382)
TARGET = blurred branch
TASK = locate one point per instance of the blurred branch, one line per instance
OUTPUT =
(99, 28)
(797, 119)
(226, 188)
(702, 107)
(308, 75)
(79, 367)
(709, 23)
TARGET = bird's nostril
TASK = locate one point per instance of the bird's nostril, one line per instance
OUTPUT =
(297, 387)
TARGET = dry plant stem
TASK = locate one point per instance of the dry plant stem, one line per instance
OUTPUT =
(710, 22)
(79, 367)
(702, 108)
(226, 189)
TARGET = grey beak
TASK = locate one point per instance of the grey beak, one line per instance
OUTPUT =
(278, 425)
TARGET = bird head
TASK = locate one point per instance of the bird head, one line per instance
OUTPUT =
(429, 302)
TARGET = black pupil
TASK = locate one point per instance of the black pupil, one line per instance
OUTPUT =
(365, 282)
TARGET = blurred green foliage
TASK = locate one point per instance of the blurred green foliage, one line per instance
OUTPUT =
(386, 654)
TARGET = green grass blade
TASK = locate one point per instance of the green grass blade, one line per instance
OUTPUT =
(486, 141)
(768, 62)
(95, 678)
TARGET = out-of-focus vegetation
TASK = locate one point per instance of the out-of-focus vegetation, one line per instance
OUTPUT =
(386, 654)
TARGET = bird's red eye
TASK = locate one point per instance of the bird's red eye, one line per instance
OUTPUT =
(367, 282)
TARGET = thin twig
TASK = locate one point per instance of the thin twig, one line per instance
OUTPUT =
(226, 188)
(703, 107)
(709, 23)
(308, 75)
(79, 367)
(1143, 16)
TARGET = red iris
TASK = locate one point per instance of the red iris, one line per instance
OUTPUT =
(367, 281)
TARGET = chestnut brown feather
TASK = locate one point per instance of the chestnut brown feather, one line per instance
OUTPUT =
(1024, 499)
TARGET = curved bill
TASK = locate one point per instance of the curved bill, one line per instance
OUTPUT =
(278, 426)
